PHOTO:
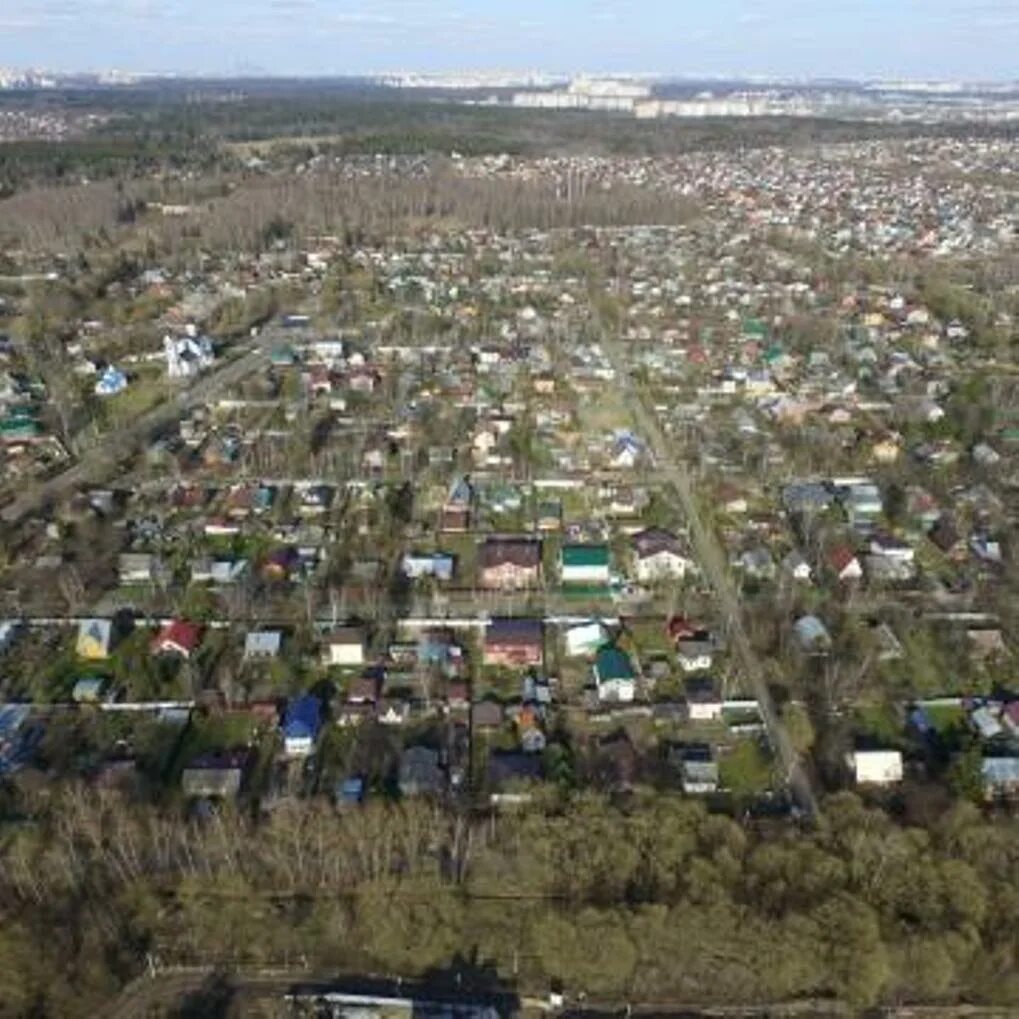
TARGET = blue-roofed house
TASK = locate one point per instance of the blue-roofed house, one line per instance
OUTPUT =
(302, 722)
(350, 791)
(111, 382)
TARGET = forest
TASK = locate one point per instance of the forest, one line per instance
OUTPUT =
(173, 127)
(646, 898)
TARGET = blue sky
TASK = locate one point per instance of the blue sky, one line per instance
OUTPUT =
(974, 39)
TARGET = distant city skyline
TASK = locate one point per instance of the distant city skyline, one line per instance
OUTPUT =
(973, 40)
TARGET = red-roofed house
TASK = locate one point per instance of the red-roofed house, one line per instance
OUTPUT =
(844, 563)
(178, 637)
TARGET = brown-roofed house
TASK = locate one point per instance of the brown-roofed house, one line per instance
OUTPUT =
(509, 563)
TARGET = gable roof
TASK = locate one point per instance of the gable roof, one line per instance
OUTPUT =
(522, 552)
(585, 555)
(514, 631)
(612, 664)
(653, 540)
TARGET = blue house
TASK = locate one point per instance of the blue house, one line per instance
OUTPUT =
(111, 382)
(350, 791)
(302, 722)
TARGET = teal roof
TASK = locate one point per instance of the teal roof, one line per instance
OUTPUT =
(610, 663)
(585, 555)
(755, 327)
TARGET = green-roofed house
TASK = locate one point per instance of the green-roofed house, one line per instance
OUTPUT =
(283, 356)
(584, 564)
(614, 678)
(755, 329)
(19, 427)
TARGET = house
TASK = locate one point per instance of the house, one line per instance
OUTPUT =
(302, 722)
(757, 563)
(986, 549)
(178, 637)
(876, 767)
(393, 711)
(416, 565)
(549, 515)
(795, 566)
(216, 774)
(614, 678)
(890, 547)
(487, 715)
(697, 769)
(626, 451)
(95, 637)
(365, 689)
(985, 720)
(862, 503)
(812, 636)
(703, 701)
(438, 648)
(807, 498)
(585, 638)
(262, 645)
(944, 534)
(696, 652)
(420, 774)
(1010, 717)
(508, 564)
(658, 556)
(458, 696)
(187, 355)
(344, 648)
(1000, 776)
(111, 382)
(136, 568)
(987, 644)
(221, 572)
(456, 511)
(349, 792)
(514, 643)
(89, 689)
(844, 563)
(584, 564)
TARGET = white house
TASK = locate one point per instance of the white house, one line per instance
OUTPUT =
(665, 564)
(614, 678)
(695, 654)
(262, 644)
(585, 639)
(876, 767)
(658, 556)
(584, 564)
(187, 355)
(626, 451)
(345, 648)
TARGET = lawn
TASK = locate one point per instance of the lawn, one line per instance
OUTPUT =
(745, 769)
(880, 722)
(219, 731)
(945, 717)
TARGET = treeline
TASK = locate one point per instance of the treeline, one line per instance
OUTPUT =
(375, 208)
(263, 211)
(652, 900)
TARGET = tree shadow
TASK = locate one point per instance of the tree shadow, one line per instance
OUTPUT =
(210, 1001)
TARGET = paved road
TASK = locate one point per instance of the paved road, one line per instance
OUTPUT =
(103, 460)
(716, 572)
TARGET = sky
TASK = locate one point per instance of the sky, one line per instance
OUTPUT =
(930, 39)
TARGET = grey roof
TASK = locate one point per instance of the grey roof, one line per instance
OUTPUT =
(265, 644)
